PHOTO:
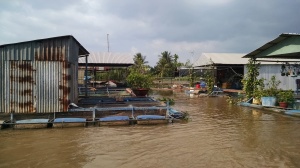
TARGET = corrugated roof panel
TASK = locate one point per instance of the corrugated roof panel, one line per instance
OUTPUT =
(220, 58)
(261, 51)
(231, 59)
(108, 58)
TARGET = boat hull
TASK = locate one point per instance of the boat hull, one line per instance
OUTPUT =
(31, 124)
(69, 122)
(67, 125)
(151, 119)
(152, 122)
(114, 121)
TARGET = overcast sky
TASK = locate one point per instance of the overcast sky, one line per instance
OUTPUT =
(184, 27)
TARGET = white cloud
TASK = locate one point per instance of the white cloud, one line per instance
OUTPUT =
(151, 27)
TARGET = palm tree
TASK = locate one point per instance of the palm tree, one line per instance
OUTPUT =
(165, 64)
(139, 62)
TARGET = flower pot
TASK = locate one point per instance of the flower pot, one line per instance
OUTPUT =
(256, 101)
(268, 101)
(142, 92)
(283, 104)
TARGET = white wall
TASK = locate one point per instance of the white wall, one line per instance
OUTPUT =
(267, 71)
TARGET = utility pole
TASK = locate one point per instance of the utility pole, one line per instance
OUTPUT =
(107, 43)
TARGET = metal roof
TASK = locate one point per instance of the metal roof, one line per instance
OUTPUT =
(286, 45)
(206, 59)
(108, 59)
(82, 50)
(220, 58)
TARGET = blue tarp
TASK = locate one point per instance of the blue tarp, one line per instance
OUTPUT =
(32, 121)
(144, 99)
(292, 112)
(150, 117)
(114, 118)
(70, 120)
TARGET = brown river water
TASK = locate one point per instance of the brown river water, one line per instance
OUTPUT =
(217, 135)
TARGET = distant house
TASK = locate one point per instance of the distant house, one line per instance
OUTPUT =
(103, 61)
(39, 76)
(229, 69)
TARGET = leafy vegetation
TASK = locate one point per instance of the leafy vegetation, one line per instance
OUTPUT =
(250, 81)
(165, 100)
(139, 74)
(285, 96)
(167, 65)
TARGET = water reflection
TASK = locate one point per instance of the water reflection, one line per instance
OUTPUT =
(218, 135)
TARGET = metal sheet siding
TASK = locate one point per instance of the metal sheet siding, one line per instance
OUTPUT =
(267, 71)
(39, 76)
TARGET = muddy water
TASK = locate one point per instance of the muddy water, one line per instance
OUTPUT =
(218, 135)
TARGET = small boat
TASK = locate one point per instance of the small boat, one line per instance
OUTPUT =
(114, 121)
(69, 122)
(31, 123)
(176, 114)
(151, 119)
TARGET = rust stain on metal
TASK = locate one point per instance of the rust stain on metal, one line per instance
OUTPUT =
(65, 104)
(27, 78)
(28, 105)
(66, 65)
(67, 77)
(66, 90)
(26, 92)
(36, 56)
(48, 52)
(26, 66)
(12, 78)
(12, 105)
(13, 64)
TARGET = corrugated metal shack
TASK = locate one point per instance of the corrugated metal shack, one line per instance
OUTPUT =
(39, 76)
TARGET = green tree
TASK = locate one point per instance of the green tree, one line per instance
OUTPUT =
(139, 74)
(250, 81)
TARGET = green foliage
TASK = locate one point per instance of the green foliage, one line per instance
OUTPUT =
(165, 100)
(236, 100)
(250, 81)
(139, 80)
(270, 89)
(167, 65)
(258, 91)
(139, 74)
(285, 96)
(113, 74)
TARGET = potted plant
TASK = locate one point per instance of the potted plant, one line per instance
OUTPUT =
(268, 95)
(139, 79)
(258, 91)
(285, 97)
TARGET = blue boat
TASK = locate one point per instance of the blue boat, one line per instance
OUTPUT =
(114, 121)
(31, 123)
(151, 119)
(69, 122)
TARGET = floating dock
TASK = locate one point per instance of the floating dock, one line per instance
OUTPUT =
(104, 112)
(31, 123)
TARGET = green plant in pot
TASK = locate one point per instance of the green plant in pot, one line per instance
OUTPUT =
(139, 78)
(285, 97)
(269, 94)
(258, 91)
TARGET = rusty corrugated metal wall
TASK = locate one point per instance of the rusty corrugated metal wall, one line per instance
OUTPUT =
(39, 76)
